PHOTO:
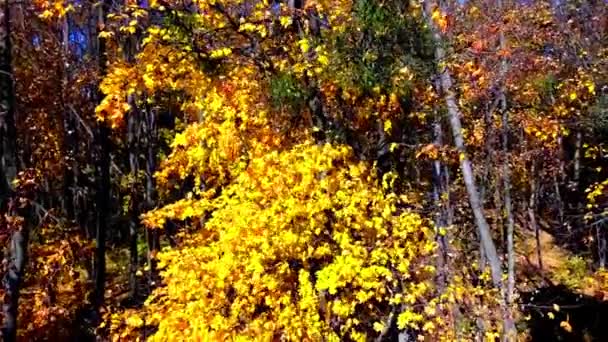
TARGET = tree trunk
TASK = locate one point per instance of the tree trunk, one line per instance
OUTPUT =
(454, 114)
(601, 245)
(70, 141)
(506, 172)
(578, 144)
(133, 144)
(150, 134)
(576, 180)
(465, 164)
(532, 214)
(17, 250)
(102, 141)
(8, 143)
(14, 277)
(560, 203)
(440, 215)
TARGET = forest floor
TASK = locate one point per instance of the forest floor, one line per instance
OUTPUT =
(564, 299)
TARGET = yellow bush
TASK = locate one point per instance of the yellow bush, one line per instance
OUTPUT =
(303, 244)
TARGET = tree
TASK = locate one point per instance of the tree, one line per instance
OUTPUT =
(9, 202)
(485, 235)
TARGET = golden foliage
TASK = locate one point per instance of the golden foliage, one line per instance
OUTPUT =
(302, 244)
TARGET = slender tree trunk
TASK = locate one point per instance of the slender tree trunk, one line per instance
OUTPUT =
(562, 175)
(439, 197)
(103, 211)
(560, 203)
(133, 143)
(69, 140)
(17, 249)
(8, 137)
(465, 165)
(489, 150)
(15, 274)
(150, 134)
(560, 154)
(601, 245)
(506, 172)
(576, 177)
(532, 214)
(102, 141)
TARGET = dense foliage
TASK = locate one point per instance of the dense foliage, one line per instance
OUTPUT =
(303, 170)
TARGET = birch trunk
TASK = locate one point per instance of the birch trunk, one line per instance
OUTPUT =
(506, 172)
(466, 168)
(465, 164)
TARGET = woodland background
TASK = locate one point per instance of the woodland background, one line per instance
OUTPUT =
(312, 170)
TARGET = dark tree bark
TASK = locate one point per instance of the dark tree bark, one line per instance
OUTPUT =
(102, 141)
(102, 175)
(150, 132)
(133, 145)
(16, 269)
(8, 137)
(9, 201)
(70, 140)
(16, 250)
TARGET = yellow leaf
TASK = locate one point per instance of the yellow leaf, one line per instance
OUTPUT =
(285, 21)
(323, 60)
(566, 326)
(388, 126)
(135, 321)
(378, 326)
(303, 43)
(105, 34)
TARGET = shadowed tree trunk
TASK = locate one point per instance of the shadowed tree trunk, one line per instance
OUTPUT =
(102, 174)
(70, 140)
(133, 143)
(7, 107)
(9, 204)
(149, 132)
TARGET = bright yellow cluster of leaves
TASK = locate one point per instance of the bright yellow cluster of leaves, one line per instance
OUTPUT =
(158, 67)
(597, 202)
(236, 125)
(53, 9)
(170, 60)
(303, 244)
